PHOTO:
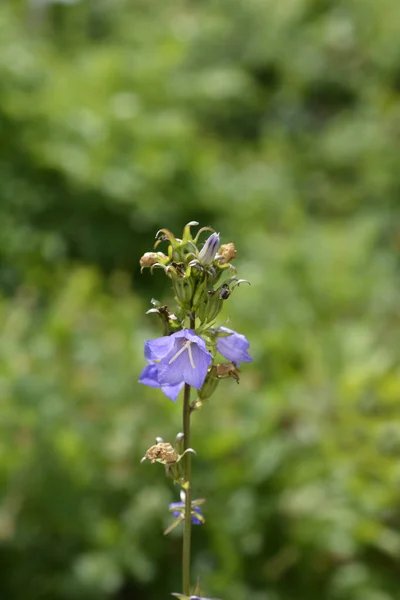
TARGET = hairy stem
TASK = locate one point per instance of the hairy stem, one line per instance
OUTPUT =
(188, 480)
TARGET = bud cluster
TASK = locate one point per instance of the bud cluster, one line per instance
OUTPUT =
(196, 273)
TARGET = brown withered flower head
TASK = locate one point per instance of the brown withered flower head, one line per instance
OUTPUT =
(163, 453)
(227, 252)
(151, 258)
(225, 370)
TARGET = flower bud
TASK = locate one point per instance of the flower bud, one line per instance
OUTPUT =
(209, 306)
(227, 252)
(209, 250)
(183, 288)
(199, 294)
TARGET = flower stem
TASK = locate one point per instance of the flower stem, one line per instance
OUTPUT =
(188, 495)
(188, 488)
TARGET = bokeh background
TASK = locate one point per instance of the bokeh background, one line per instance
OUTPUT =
(277, 122)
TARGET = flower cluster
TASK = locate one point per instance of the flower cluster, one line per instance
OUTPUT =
(182, 357)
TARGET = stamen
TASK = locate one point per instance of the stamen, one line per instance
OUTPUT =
(187, 345)
(190, 356)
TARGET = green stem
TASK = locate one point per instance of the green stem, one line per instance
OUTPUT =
(187, 531)
(188, 497)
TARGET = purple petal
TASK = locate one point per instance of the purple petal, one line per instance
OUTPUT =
(149, 376)
(202, 360)
(190, 335)
(158, 348)
(174, 369)
(233, 347)
(178, 366)
(177, 513)
(176, 505)
(170, 369)
(195, 520)
(172, 391)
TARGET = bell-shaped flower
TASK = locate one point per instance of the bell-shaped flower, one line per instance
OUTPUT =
(233, 346)
(180, 358)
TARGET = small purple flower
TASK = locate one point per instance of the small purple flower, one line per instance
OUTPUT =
(180, 508)
(209, 250)
(180, 358)
(234, 346)
(149, 377)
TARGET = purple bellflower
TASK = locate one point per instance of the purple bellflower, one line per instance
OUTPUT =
(234, 346)
(179, 358)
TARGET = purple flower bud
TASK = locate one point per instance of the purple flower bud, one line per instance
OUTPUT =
(209, 250)
(234, 346)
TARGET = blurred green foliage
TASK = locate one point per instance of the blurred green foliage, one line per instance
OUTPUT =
(277, 123)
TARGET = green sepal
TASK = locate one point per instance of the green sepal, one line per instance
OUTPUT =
(187, 236)
(209, 386)
(184, 288)
(199, 292)
(169, 236)
(209, 306)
